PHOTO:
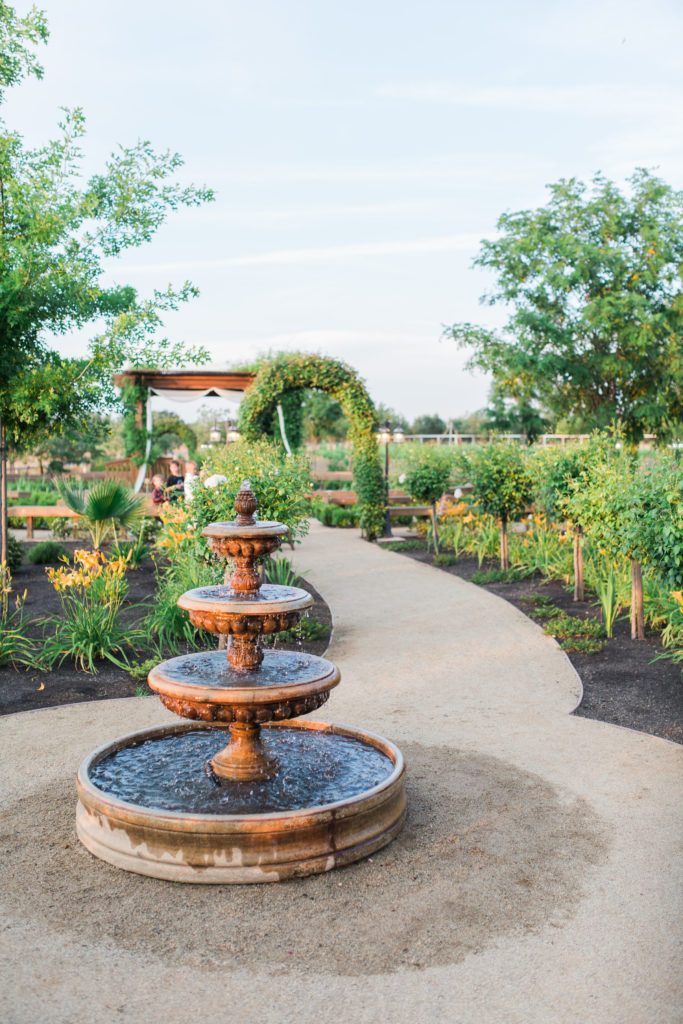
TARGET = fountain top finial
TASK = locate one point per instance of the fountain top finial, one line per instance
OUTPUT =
(245, 505)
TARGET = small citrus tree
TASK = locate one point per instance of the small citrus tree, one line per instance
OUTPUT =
(502, 486)
(427, 479)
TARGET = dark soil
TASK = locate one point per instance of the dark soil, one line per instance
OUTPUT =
(27, 689)
(624, 683)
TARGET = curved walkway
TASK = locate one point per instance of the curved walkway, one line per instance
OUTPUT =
(537, 880)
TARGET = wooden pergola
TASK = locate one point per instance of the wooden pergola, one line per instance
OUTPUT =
(190, 384)
(212, 383)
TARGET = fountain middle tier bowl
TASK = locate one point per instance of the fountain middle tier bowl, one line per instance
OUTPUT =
(220, 609)
(206, 687)
(147, 805)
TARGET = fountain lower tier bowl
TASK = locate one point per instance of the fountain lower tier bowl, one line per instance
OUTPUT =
(147, 804)
(207, 688)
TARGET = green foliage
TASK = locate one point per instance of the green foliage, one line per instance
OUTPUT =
(89, 627)
(16, 648)
(108, 504)
(139, 670)
(593, 280)
(606, 585)
(18, 36)
(73, 444)
(58, 234)
(323, 417)
(445, 560)
(281, 572)
(46, 552)
(167, 625)
(15, 553)
(308, 628)
(575, 634)
(502, 485)
(334, 515)
(404, 545)
(429, 472)
(280, 483)
(289, 373)
(427, 425)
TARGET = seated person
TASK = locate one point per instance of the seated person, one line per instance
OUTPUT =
(158, 491)
(174, 482)
(191, 479)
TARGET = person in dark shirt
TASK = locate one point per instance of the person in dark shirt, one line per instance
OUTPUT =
(174, 482)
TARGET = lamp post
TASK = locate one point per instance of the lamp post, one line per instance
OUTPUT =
(385, 435)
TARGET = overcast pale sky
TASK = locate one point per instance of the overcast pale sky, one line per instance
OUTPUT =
(359, 151)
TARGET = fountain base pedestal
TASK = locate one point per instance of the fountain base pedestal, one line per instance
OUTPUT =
(244, 759)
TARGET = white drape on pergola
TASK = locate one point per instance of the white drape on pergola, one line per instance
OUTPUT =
(180, 395)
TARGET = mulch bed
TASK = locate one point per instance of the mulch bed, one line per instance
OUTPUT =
(28, 689)
(623, 684)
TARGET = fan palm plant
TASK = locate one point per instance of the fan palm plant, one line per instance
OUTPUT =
(104, 507)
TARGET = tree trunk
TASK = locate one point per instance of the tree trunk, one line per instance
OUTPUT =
(504, 549)
(637, 613)
(579, 590)
(435, 529)
(3, 495)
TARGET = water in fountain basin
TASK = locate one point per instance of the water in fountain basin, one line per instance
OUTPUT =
(212, 668)
(168, 773)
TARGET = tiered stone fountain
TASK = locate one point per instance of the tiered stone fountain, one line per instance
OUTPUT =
(283, 798)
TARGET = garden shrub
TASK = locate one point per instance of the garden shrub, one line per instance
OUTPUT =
(15, 553)
(46, 552)
(279, 481)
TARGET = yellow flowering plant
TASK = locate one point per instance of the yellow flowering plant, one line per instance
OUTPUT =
(89, 628)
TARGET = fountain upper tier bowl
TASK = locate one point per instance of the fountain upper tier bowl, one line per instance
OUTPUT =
(222, 609)
(206, 687)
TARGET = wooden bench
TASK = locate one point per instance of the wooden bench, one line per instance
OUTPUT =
(419, 511)
(31, 512)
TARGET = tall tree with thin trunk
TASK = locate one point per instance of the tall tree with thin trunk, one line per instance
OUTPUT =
(56, 231)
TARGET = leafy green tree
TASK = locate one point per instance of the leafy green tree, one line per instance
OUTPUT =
(324, 418)
(506, 416)
(169, 431)
(428, 425)
(427, 479)
(634, 511)
(502, 485)
(385, 414)
(593, 282)
(75, 444)
(56, 231)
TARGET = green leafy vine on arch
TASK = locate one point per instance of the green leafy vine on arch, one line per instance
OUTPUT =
(287, 373)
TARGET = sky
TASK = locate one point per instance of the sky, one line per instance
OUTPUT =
(359, 152)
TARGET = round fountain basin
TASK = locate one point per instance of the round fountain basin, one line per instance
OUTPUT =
(206, 687)
(270, 599)
(148, 805)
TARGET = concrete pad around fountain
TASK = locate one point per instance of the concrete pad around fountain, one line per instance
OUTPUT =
(537, 879)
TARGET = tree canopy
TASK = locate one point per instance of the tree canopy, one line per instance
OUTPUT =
(57, 229)
(593, 284)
